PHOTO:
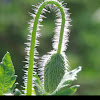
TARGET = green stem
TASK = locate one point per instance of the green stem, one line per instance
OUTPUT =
(31, 58)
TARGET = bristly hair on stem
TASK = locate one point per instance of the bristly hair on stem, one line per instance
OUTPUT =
(60, 39)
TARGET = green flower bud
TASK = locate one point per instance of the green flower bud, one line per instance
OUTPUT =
(54, 71)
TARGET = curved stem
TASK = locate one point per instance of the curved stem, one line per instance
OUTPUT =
(31, 58)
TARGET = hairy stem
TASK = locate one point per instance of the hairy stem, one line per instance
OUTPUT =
(31, 58)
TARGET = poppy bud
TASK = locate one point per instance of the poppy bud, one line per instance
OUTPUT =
(54, 71)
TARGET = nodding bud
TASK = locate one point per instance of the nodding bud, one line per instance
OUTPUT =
(54, 68)
(54, 71)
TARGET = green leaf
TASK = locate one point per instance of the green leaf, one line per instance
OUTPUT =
(69, 77)
(66, 90)
(11, 90)
(63, 89)
(39, 87)
(17, 92)
(7, 77)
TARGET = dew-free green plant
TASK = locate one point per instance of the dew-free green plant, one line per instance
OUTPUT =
(54, 76)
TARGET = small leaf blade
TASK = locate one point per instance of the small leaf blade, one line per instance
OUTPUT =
(67, 91)
(7, 77)
(39, 87)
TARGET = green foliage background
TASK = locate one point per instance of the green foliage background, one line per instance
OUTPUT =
(84, 45)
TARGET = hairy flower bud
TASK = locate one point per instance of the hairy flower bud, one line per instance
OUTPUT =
(54, 71)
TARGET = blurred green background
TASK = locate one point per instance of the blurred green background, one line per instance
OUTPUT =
(84, 45)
